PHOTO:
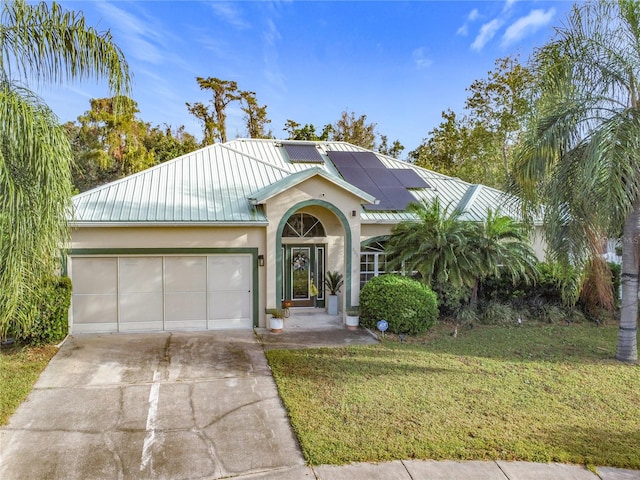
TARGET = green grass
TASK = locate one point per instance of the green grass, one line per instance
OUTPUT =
(535, 393)
(19, 370)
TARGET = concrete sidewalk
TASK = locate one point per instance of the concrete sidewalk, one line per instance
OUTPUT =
(447, 470)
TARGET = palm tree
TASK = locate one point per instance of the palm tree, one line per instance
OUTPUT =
(435, 245)
(41, 44)
(503, 247)
(443, 248)
(581, 156)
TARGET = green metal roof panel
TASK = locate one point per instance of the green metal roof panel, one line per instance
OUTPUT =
(207, 186)
(222, 184)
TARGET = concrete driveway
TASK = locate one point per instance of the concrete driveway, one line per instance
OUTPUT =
(163, 406)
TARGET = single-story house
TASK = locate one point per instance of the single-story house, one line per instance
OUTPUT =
(214, 238)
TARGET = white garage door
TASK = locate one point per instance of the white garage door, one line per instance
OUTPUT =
(152, 293)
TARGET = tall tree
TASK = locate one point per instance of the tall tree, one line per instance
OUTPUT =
(215, 121)
(498, 105)
(581, 155)
(166, 143)
(354, 130)
(306, 132)
(40, 44)
(208, 119)
(112, 142)
(255, 116)
(477, 146)
(394, 150)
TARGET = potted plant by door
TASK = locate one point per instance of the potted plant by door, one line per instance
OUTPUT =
(353, 318)
(276, 322)
(333, 282)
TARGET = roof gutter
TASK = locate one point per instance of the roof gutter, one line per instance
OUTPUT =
(168, 224)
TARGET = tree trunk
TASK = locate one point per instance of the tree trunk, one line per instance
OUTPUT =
(473, 301)
(627, 349)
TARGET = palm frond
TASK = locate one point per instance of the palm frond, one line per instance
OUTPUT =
(35, 192)
(48, 44)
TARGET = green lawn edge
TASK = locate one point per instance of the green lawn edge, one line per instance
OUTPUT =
(19, 371)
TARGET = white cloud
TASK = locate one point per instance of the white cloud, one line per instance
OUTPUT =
(421, 59)
(272, 69)
(145, 40)
(527, 25)
(487, 32)
(464, 29)
(230, 14)
(271, 34)
(508, 4)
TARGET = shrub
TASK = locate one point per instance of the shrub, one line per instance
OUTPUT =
(451, 299)
(554, 285)
(409, 306)
(501, 289)
(51, 322)
(466, 315)
(498, 313)
(549, 314)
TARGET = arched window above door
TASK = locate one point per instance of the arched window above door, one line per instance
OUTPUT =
(302, 225)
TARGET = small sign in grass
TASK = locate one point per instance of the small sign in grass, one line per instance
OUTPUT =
(535, 393)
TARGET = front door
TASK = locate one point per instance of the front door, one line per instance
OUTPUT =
(303, 276)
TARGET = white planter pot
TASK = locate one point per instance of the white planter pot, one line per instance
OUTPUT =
(332, 305)
(352, 322)
(276, 324)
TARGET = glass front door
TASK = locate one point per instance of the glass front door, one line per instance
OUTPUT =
(303, 275)
(300, 275)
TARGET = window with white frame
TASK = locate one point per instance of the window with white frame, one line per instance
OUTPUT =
(303, 225)
(373, 262)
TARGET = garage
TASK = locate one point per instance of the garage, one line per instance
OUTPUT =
(161, 292)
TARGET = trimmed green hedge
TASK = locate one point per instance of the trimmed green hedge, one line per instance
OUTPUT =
(51, 323)
(409, 306)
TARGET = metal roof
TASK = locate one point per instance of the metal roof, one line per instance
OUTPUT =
(223, 184)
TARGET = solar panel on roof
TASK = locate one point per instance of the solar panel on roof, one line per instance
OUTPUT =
(301, 153)
(340, 159)
(365, 171)
(409, 178)
(383, 203)
(356, 176)
(367, 160)
(399, 197)
(383, 178)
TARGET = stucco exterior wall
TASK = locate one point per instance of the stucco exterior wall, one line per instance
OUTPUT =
(372, 230)
(539, 243)
(317, 196)
(168, 237)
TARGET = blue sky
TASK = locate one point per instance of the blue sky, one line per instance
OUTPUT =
(399, 62)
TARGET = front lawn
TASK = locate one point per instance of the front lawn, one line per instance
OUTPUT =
(535, 393)
(19, 370)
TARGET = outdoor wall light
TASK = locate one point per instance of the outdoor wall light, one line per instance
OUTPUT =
(261, 260)
(353, 213)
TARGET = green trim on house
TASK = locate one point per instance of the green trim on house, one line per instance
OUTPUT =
(169, 251)
(348, 243)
